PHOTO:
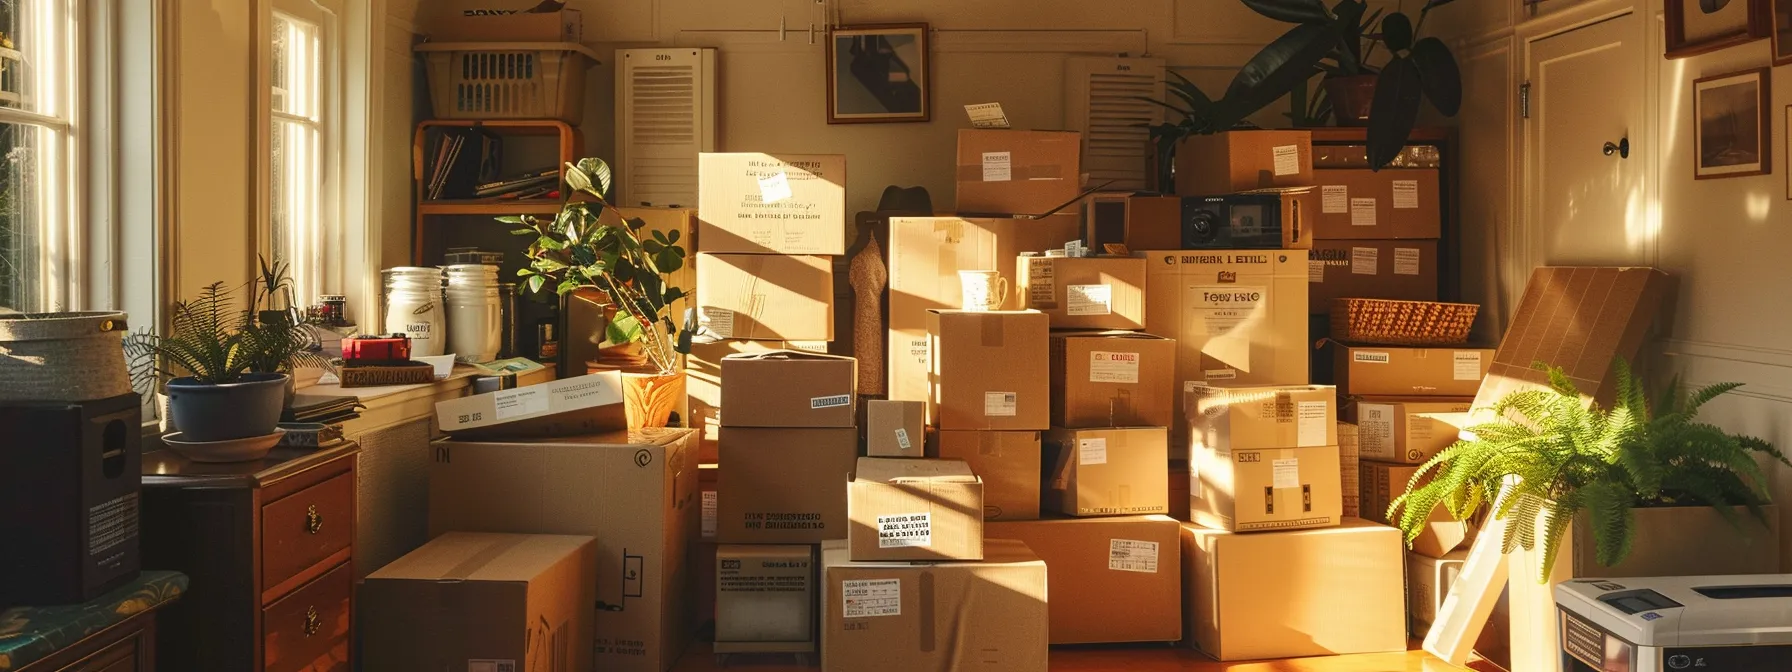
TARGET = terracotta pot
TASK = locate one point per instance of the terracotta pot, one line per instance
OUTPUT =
(1351, 98)
(650, 398)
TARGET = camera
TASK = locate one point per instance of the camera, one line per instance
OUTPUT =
(1248, 221)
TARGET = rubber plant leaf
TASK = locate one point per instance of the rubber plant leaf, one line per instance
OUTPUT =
(1282, 65)
(1438, 75)
(1396, 107)
(1396, 32)
(599, 172)
(1290, 11)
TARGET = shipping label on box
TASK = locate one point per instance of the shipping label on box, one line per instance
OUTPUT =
(750, 203)
(765, 596)
(565, 407)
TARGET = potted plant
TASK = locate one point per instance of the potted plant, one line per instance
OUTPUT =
(578, 252)
(1549, 457)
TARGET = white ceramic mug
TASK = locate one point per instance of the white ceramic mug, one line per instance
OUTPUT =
(983, 290)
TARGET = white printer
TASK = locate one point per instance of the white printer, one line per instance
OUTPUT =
(1666, 624)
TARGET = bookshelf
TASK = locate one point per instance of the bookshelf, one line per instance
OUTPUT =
(567, 142)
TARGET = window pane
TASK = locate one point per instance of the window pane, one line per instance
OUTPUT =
(25, 238)
(20, 47)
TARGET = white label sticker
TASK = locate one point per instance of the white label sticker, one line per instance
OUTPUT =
(1132, 555)
(1406, 194)
(1092, 451)
(1220, 374)
(997, 167)
(986, 115)
(1287, 159)
(490, 665)
(709, 513)
(1406, 261)
(1467, 365)
(520, 402)
(999, 403)
(1315, 271)
(1362, 212)
(719, 320)
(1285, 473)
(1363, 260)
(905, 529)
(871, 597)
(775, 188)
(1369, 357)
(902, 438)
(1089, 299)
(832, 401)
(1041, 281)
(1334, 199)
(1113, 367)
(1310, 424)
(808, 346)
(1375, 430)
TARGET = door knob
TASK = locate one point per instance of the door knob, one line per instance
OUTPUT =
(1621, 148)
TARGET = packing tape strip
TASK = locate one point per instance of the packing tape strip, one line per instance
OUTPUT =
(484, 557)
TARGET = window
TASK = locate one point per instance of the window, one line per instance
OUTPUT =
(303, 220)
(39, 262)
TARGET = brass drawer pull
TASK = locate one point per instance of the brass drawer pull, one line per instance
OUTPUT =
(312, 622)
(313, 521)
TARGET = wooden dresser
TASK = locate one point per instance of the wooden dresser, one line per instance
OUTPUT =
(269, 547)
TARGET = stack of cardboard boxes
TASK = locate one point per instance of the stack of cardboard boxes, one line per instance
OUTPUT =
(1375, 235)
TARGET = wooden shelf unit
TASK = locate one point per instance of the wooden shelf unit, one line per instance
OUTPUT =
(569, 144)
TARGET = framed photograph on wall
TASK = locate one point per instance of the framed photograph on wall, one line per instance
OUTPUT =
(878, 73)
(1730, 134)
(1698, 26)
(1781, 15)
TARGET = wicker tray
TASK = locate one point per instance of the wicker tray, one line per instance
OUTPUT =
(1389, 322)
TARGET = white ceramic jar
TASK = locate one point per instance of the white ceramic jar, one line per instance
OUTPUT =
(475, 317)
(414, 308)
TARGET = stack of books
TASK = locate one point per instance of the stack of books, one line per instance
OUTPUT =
(543, 183)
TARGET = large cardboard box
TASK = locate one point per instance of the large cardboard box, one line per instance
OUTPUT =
(988, 615)
(895, 428)
(789, 388)
(1381, 370)
(1111, 580)
(1225, 418)
(1003, 171)
(1137, 221)
(1084, 292)
(765, 598)
(751, 203)
(985, 371)
(1238, 481)
(636, 492)
(1293, 594)
(766, 296)
(1112, 379)
(703, 384)
(784, 485)
(915, 510)
(1382, 482)
(1234, 161)
(521, 600)
(563, 25)
(1371, 269)
(1008, 464)
(926, 254)
(1428, 582)
(1107, 472)
(1397, 203)
(1578, 318)
(1408, 431)
(565, 407)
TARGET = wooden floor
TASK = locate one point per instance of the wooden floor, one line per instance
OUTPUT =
(1130, 658)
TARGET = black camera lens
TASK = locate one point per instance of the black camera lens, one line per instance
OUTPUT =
(1203, 227)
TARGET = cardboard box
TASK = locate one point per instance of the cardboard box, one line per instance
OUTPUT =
(765, 598)
(1107, 472)
(1378, 370)
(565, 407)
(703, 387)
(564, 25)
(1002, 171)
(1578, 318)
(985, 371)
(926, 254)
(751, 203)
(1008, 463)
(906, 616)
(1234, 417)
(1371, 269)
(766, 296)
(1393, 203)
(1234, 161)
(1293, 594)
(1085, 292)
(1349, 461)
(915, 510)
(789, 388)
(895, 428)
(1267, 489)
(1406, 431)
(636, 492)
(1381, 482)
(1428, 582)
(1137, 221)
(1110, 579)
(1112, 379)
(784, 485)
(518, 599)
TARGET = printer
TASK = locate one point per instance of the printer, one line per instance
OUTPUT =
(1667, 624)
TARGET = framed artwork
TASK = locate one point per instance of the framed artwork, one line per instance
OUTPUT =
(1698, 26)
(1781, 15)
(878, 73)
(1730, 132)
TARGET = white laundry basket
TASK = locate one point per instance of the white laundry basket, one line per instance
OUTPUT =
(508, 80)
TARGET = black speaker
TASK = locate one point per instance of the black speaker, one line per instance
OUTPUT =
(70, 477)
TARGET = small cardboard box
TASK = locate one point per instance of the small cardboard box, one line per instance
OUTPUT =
(511, 593)
(1085, 292)
(703, 384)
(1381, 482)
(1267, 489)
(986, 372)
(564, 25)
(565, 407)
(1111, 580)
(789, 388)
(1108, 472)
(1112, 379)
(1406, 431)
(1378, 370)
(1400, 203)
(900, 615)
(765, 598)
(895, 428)
(1232, 417)
(1349, 459)
(1578, 318)
(1137, 221)
(1008, 463)
(915, 510)
(766, 296)
(1293, 594)
(1234, 161)
(1428, 582)
(1371, 269)
(784, 485)
(751, 203)
(1010, 172)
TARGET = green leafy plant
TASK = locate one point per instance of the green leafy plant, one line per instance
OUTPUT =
(216, 341)
(575, 250)
(1548, 455)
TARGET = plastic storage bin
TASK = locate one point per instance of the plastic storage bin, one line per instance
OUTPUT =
(508, 80)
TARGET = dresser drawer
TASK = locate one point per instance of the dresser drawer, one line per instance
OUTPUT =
(309, 628)
(303, 528)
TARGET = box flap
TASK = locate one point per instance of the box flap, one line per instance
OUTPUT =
(1106, 333)
(475, 556)
(785, 356)
(898, 470)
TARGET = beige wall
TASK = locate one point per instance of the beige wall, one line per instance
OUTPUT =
(211, 115)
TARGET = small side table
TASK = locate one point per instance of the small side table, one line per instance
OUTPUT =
(116, 632)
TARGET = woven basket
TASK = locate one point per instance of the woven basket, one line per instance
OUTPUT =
(1388, 322)
(62, 356)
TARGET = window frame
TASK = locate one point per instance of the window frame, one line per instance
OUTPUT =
(326, 273)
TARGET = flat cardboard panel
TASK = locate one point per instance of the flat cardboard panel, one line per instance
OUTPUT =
(765, 594)
(1112, 379)
(1377, 370)
(1405, 270)
(750, 203)
(1084, 292)
(895, 428)
(985, 371)
(1107, 472)
(1577, 318)
(1267, 489)
(1381, 482)
(784, 485)
(1406, 431)
(1002, 171)
(1112, 579)
(789, 388)
(915, 510)
(565, 407)
(1234, 161)
(1235, 417)
(1406, 203)
(1007, 462)
(766, 296)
